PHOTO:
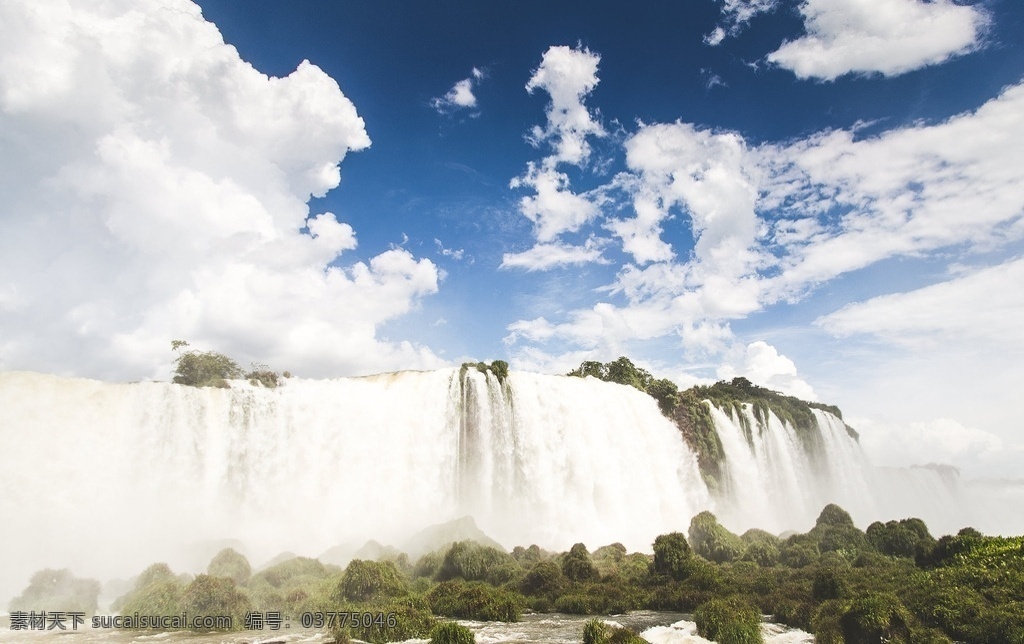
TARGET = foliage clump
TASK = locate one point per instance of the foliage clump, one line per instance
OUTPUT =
(451, 633)
(370, 580)
(209, 595)
(672, 556)
(729, 621)
(596, 631)
(712, 540)
(475, 600)
(472, 561)
(213, 369)
(577, 566)
(498, 367)
(229, 563)
(58, 590)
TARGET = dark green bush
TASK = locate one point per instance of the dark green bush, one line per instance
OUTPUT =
(544, 578)
(216, 596)
(412, 620)
(475, 600)
(576, 564)
(711, 540)
(729, 621)
(370, 580)
(672, 555)
(596, 631)
(876, 617)
(474, 562)
(451, 633)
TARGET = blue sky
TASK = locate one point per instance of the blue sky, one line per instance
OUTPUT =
(825, 197)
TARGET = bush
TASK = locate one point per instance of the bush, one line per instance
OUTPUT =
(712, 541)
(229, 563)
(451, 633)
(763, 553)
(475, 600)
(296, 569)
(370, 580)
(875, 618)
(574, 605)
(671, 555)
(261, 374)
(596, 631)
(58, 590)
(576, 564)
(203, 369)
(208, 595)
(544, 578)
(412, 620)
(729, 621)
(834, 515)
(474, 562)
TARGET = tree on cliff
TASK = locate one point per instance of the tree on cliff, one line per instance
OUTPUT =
(203, 369)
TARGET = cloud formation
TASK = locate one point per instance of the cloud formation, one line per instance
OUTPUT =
(735, 16)
(889, 37)
(156, 188)
(460, 96)
(568, 75)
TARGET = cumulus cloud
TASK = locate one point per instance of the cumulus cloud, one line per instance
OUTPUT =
(461, 95)
(568, 75)
(762, 364)
(156, 187)
(890, 37)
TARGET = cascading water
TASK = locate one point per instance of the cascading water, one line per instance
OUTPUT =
(107, 478)
(777, 479)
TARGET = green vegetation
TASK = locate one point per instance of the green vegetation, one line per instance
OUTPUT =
(229, 563)
(58, 590)
(712, 541)
(597, 632)
(729, 621)
(498, 367)
(689, 409)
(451, 633)
(213, 369)
(208, 595)
(893, 582)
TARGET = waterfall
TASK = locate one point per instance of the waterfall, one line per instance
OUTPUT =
(107, 478)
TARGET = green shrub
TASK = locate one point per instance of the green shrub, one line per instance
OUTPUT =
(474, 562)
(596, 631)
(296, 569)
(544, 578)
(672, 555)
(729, 621)
(410, 619)
(370, 580)
(763, 553)
(475, 600)
(451, 633)
(216, 596)
(576, 564)
(576, 604)
(203, 369)
(875, 618)
(229, 563)
(58, 590)
(711, 540)
(834, 515)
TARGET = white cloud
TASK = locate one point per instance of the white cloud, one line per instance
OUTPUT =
(568, 75)
(763, 365)
(461, 95)
(984, 307)
(544, 256)
(555, 208)
(155, 187)
(890, 37)
(454, 253)
(902, 193)
(940, 440)
(735, 16)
